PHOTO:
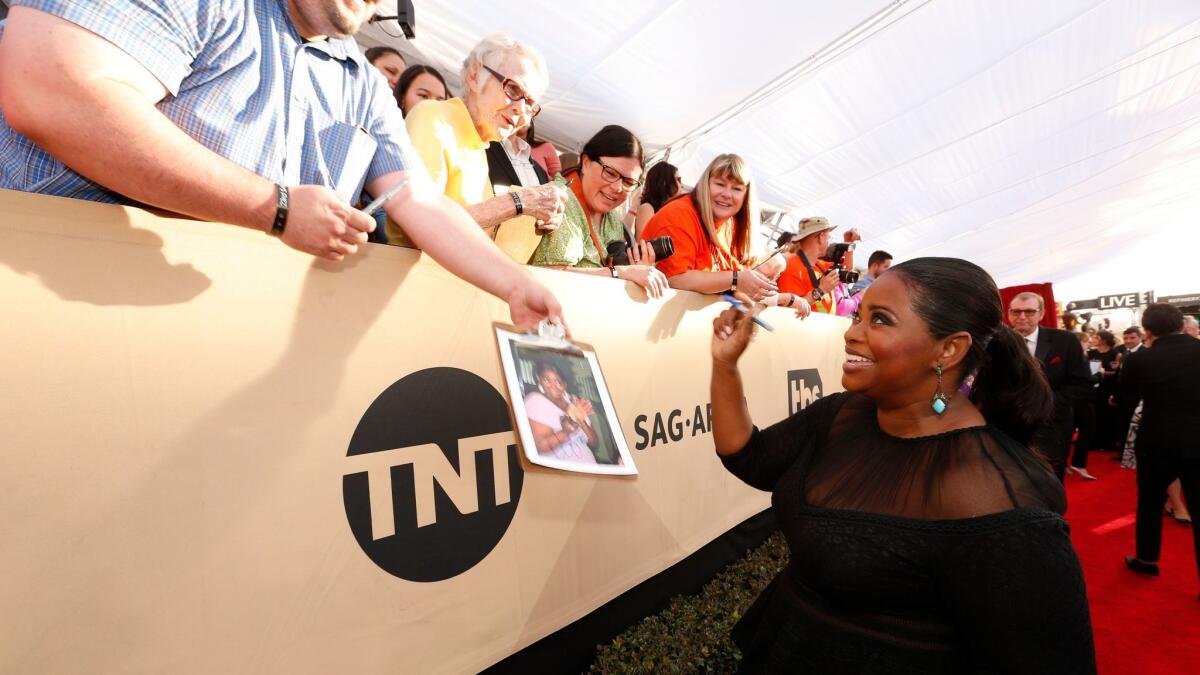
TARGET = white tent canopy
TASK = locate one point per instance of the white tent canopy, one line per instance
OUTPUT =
(1046, 141)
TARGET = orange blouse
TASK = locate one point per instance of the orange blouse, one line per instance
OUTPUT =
(680, 220)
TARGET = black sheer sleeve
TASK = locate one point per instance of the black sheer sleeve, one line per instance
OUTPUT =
(770, 451)
(1015, 592)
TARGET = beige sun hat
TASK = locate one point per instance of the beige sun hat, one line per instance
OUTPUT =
(812, 225)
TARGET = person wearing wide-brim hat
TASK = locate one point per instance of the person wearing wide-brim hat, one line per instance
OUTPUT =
(808, 244)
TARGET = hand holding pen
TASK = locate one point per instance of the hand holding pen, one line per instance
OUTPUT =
(741, 307)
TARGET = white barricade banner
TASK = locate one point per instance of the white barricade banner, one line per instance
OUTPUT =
(221, 455)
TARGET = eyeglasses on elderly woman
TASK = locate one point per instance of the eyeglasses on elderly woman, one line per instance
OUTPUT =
(515, 92)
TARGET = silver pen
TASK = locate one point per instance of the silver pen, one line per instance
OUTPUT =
(371, 208)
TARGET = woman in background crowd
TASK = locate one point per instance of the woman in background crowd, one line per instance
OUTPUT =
(420, 83)
(610, 167)
(925, 535)
(712, 231)
(503, 80)
(1105, 352)
(663, 183)
(542, 152)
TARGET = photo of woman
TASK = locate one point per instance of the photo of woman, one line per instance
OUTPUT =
(564, 415)
(559, 420)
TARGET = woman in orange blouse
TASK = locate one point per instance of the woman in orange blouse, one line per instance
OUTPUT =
(712, 230)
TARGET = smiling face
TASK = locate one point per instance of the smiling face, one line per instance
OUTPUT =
(728, 195)
(552, 384)
(423, 88)
(601, 195)
(496, 116)
(889, 351)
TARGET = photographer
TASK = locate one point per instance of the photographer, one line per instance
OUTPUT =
(610, 168)
(815, 279)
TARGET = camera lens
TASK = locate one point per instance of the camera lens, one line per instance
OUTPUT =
(663, 247)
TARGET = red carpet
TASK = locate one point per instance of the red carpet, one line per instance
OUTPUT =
(1143, 625)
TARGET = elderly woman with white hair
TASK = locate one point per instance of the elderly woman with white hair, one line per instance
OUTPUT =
(503, 80)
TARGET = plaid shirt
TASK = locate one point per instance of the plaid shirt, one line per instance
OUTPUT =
(243, 84)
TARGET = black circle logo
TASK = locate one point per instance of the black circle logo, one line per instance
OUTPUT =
(433, 477)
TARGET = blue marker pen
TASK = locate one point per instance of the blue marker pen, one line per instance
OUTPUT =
(737, 304)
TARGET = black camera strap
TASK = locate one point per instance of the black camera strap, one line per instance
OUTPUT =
(812, 276)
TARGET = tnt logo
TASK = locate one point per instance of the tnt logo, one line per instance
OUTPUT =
(804, 387)
(432, 477)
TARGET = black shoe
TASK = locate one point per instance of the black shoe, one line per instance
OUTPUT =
(1141, 567)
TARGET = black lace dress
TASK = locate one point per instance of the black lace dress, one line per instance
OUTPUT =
(940, 554)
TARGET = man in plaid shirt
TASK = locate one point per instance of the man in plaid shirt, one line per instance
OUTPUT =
(260, 113)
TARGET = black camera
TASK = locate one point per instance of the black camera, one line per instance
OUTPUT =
(835, 254)
(662, 246)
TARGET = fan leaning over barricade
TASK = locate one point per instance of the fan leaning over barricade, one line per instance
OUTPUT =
(592, 239)
(503, 80)
(182, 106)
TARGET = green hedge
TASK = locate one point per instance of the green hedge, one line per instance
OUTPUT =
(692, 634)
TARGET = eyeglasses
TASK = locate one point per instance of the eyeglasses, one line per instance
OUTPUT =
(515, 92)
(1023, 312)
(611, 175)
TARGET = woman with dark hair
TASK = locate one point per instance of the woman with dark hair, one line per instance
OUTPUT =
(420, 83)
(713, 233)
(610, 167)
(925, 535)
(1107, 417)
(541, 152)
(663, 183)
(560, 420)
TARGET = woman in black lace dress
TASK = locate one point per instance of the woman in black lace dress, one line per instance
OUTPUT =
(925, 536)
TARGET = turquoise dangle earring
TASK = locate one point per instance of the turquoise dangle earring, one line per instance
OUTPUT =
(939, 397)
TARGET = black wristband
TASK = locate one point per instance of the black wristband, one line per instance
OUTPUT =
(791, 299)
(733, 286)
(613, 269)
(281, 211)
(517, 202)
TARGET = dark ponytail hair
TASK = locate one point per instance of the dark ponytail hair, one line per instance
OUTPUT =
(953, 295)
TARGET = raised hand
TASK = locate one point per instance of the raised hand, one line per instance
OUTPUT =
(732, 331)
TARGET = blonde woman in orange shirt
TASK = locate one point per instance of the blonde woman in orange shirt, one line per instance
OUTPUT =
(712, 229)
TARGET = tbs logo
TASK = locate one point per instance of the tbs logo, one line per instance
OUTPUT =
(432, 477)
(804, 387)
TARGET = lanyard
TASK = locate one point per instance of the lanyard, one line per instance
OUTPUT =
(577, 188)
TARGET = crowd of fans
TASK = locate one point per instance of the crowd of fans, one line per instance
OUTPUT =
(586, 213)
(146, 83)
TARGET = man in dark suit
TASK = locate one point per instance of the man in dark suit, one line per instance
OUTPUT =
(509, 167)
(1066, 369)
(1165, 378)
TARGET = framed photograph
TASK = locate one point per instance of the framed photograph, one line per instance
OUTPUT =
(564, 415)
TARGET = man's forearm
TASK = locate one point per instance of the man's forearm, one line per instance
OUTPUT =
(137, 152)
(443, 229)
(99, 119)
